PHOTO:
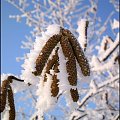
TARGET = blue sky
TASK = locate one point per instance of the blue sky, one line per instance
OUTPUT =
(11, 36)
(13, 33)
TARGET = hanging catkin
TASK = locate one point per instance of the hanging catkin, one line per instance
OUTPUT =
(3, 95)
(71, 63)
(78, 52)
(45, 53)
(54, 85)
(86, 27)
(51, 63)
(11, 104)
(74, 94)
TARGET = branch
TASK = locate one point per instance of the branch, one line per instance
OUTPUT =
(14, 78)
(91, 93)
(110, 51)
(25, 13)
(81, 117)
(117, 117)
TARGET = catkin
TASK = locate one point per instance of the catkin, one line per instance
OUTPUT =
(74, 94)
(54, 85)
(51, 63)
(11, 104)
(71, 63)
(45, 53)
(78, 52)
(3, 95)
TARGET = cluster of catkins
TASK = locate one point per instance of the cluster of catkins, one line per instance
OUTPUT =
(7, 93)
(72, 53)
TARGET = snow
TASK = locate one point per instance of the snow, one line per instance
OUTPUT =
(81, 30)
(5, 115)
(93, 86)
(16, 85)
(115, 24)
(29, 64)
(45, 102)
(62, 75)
(64, 85)
(53, 29)
(101, 66)
(4, 77)
(111, 48)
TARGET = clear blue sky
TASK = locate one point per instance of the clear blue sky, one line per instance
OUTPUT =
(13, 33)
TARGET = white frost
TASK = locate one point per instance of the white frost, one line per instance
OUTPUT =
(81, 30)
(29, 64)
(93, 86)
(16, 85)
(115, 24)
(45, 102)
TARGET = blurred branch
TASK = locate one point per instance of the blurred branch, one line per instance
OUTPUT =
(91, 93)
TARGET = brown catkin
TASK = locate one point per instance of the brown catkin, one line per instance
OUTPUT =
(71, 62)
(74, 94)
(78, 52)
(3, 95)
(54, 85)
(51, 63)
(45, 53)
(11, 104)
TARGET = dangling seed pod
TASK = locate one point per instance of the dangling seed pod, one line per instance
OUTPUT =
(3, 95)
(51, 63)
(45, 53)
(71, 63)
(86, 27)
(74, 94)
(11, 104)
(54, 85)
(78, 52)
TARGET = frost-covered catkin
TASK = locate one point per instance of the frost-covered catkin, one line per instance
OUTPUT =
(71, 63)
(54, 85)
(74, 94)
(78, 52)
(45, 53)
(3, 95)
(11, 104)
(51, 63)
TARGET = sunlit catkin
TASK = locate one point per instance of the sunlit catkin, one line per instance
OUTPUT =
(78, 52)
(45, 53)
(11, 104)
(51, 63)
(70, 60)
(74, 94)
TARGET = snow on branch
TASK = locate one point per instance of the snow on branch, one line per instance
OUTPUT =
(110, 50)
(82, 30)
(93, 92)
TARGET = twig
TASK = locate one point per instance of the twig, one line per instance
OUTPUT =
(91, 93)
